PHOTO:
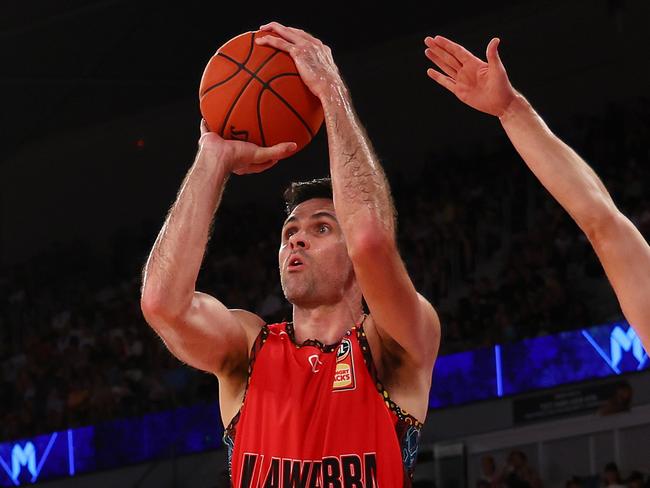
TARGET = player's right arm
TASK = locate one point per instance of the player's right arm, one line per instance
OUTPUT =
(196, 327)
(622, 250)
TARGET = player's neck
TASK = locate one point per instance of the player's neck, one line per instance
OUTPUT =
(327, 323)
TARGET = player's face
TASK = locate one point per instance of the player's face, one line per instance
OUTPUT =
(315, 268)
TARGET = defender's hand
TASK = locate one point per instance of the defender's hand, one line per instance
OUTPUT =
(483, 86)
(313, 58)
(243, 157)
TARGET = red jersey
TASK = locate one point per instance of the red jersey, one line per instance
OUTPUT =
(318, 416)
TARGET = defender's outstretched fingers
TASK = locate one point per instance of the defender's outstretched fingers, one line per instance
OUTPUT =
(429, 42)
(440, 62)
(446, 57)
(456, 50)
(492, 51)
(441, 79)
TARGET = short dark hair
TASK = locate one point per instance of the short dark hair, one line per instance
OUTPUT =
(301, 191)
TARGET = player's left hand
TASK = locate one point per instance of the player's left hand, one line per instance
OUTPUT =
(483, 86)
(313, 58)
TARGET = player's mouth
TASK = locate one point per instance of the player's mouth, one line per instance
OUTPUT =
(295, 263)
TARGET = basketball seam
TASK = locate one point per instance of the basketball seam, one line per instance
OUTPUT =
(248, 57)
(259, 103)
(267, 86)
(250, 50)
(216, 85)
(259, 116)
(253, 77)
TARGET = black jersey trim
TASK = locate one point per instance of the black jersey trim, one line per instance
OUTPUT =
(230, 431)
(372, 369)
(291, 332)
(407, 428)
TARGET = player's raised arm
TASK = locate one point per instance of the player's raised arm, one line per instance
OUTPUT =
(364, 207)
(623, 252)
(196, 327)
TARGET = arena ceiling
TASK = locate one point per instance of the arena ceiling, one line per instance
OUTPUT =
(71, 63)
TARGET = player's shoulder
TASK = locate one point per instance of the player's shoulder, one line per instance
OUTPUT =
(247, 319)
(250, 322)
(388, 352)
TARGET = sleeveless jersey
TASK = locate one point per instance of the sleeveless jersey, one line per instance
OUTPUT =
(318, 416)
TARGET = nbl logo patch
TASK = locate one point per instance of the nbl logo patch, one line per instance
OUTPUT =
(344, 373)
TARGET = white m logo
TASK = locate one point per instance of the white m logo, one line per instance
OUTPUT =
(624, 341)
(23, 456)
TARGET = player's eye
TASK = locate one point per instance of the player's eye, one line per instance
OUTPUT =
(323, 228)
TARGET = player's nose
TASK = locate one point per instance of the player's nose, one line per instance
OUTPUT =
(299, 240)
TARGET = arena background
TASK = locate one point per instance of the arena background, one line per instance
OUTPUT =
(99, 125)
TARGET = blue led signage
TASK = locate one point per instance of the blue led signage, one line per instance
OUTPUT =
(542, 362)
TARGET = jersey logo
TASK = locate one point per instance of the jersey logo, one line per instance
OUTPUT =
(344, 378)
(315, 363)
(343, 350)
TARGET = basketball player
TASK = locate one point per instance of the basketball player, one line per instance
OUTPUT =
(336, 398)
(621, 248)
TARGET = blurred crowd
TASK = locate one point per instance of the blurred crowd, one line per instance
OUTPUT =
(517, 473)
(499, 259)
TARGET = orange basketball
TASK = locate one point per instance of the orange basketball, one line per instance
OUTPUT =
(254, 93)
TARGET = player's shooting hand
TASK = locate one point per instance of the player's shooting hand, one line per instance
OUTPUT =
(313, 58)
(483, 86)
(243, 157)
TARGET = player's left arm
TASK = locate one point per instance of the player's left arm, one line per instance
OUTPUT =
(622, 250)
(620, 247)
(405, 320)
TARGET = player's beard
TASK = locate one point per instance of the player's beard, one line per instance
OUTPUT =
(315, 287)
(300, 289)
